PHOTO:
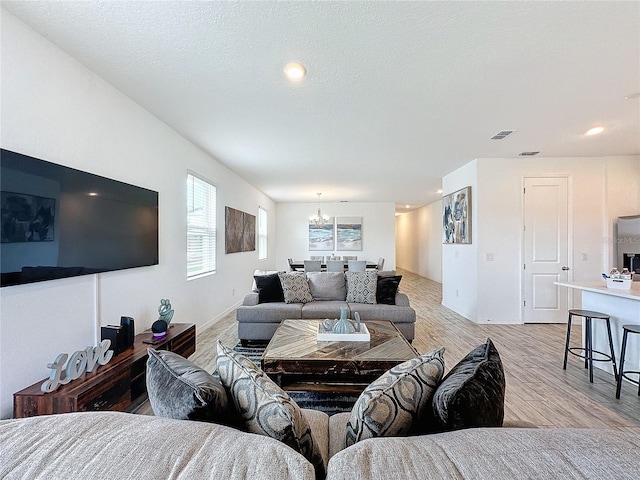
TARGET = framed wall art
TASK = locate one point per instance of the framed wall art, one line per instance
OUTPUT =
(240, 231)
(321, 235)
(456, 216)
(349, 233)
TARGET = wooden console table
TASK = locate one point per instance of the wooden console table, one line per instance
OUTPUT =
(119, 385)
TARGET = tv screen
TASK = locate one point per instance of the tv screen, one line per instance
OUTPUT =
(61, 222)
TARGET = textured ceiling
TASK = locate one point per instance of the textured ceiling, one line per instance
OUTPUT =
(398, 94)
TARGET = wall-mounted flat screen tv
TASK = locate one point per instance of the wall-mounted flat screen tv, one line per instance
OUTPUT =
(61, 222)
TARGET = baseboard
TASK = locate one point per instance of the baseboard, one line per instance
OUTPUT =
(215, 319)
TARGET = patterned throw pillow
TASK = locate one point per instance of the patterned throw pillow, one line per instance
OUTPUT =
(361, 287)
(180, 389)
(265, 408)
(295, 287)
(391, 404)
(472, 393)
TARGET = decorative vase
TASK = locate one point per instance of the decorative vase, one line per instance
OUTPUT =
(344, 325)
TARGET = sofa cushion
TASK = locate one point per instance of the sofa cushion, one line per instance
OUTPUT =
(265, 408)
(472, 393)
(115, 445)
(361, 287)
(269, 288)
(390, 405)
(325, 309)
(387, 288)
(327, 285)
(179, 389)
(295, 287)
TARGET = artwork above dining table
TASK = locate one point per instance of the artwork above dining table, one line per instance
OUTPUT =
(321, 236)
(349, 233)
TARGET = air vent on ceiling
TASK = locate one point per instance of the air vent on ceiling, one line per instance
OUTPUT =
(528, 154)
(502, 134)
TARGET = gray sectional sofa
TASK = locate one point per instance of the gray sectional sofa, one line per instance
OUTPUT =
(258, 321)
(110, 445)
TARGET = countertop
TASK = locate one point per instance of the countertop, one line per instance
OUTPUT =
(601, 287)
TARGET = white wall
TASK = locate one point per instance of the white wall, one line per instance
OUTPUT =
(600, 190)
(459, 262)
(419, 241)
(55, 109)
(378, 230)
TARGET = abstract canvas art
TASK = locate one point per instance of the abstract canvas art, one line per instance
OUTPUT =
(349, 233)
(240, 231)
(456, 217)
(321, 236)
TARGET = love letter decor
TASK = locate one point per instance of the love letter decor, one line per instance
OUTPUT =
(80, 361)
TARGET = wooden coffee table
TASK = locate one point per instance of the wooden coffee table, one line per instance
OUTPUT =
(297, 361)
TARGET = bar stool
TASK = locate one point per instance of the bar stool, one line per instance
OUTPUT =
(588, 351)
(627, 329)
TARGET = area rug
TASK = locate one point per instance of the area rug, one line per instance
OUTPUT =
(329, 403)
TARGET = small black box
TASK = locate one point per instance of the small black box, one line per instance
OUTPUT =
(116, 334)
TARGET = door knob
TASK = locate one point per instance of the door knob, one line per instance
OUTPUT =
(565, 268)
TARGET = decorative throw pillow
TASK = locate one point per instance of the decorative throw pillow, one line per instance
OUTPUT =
(265, 408)
(327, 285)
(392, 403)
(472, 393)
(180, 389)
(387, 288)
(254, 288)
(269, 288)
(295, 287)
(361, 287)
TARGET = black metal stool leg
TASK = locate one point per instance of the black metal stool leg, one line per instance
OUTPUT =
(624, 348)
(587, 336)
(590, 348)
(566, 346)
(613, 356)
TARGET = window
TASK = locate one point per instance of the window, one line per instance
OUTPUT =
(201, 227)
(262, 233)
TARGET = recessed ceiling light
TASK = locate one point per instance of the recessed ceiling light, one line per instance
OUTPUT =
(439, 190)
(594, 131)
(407, 206)
(632, 96)
(294, 71)
(92, 194)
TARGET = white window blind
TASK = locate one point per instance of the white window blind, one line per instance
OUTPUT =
(262, 233)
(201, 227)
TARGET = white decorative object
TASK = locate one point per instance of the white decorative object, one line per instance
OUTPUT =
(80, 361)
(325, 335)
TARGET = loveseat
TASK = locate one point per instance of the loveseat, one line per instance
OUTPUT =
(112, 445)
(320, 295)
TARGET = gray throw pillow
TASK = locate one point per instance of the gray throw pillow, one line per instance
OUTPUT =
(179, 389)
(471, 394)
(390, 406)
(265, 408)
(295, 287)
(327, 285)
(361, 287)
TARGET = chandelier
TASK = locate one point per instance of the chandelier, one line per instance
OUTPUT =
(319, 219)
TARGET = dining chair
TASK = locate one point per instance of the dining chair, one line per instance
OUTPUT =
(335, 266)
(333, 257)
(312, 266)
(380, 264)
(357, 265)
(347, 258)
(290, 260)
(317, 257)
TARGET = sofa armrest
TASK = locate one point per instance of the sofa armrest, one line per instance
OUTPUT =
(402, 300)
(251, 299)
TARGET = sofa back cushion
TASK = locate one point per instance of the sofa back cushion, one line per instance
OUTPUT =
(327, 285)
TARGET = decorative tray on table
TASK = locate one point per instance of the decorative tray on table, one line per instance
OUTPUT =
(328, 335)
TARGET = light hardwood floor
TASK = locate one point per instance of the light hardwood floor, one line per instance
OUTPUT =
(538, 389)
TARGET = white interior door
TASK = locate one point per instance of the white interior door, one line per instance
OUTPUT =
(546, 249)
